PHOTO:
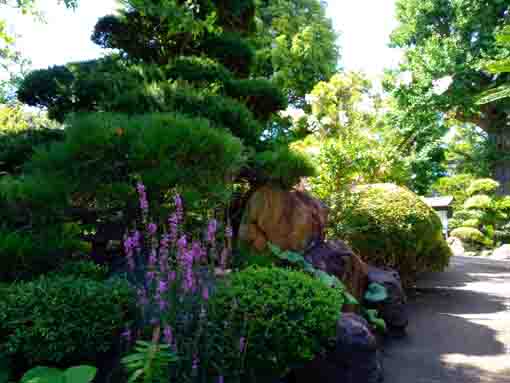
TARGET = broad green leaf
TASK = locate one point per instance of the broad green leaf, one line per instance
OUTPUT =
(43, 375)
(350, 299)
(376, 293)
(292, 257)
(134, 377)
(495, 94)
(274, 249)
(80, 374)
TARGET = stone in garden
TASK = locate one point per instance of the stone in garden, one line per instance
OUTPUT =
(291, 220)
(355, 359)
(456, 245)
(502, 253)
(336, 258)
(393, 309)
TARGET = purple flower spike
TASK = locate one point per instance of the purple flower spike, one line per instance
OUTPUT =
(168, 335)
(221, 379)
(152, 228)
(205, 293)
(195, 362)
(182, 243)
(242, 343)
(211, 230)
(150, 275)
(127, 335)
(162, 287)
(229, 232)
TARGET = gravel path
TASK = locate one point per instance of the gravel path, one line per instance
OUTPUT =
(459, 328)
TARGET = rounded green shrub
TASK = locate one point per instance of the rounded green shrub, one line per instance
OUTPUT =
(480, 201)
(285, 317)
(482, 186)
(471, 223)
(26, 255)
(390, 226)
(470, 235)
(62, 320)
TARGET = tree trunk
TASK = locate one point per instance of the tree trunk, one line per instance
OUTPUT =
(501, 168)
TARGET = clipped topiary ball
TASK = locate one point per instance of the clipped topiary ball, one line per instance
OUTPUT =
(390, 226)
(281, 318)
(471, 236)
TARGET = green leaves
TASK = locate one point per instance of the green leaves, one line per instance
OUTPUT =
(375, 293)
(372, 318)
(79, 374)
(149, 363)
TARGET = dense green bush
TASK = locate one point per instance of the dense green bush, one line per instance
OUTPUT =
(25, 254)
(60, 320)
(85, 269)
(482, 186)
(261, 96)
(285, 317)
(471, 236)
(390, 226)
(284, 166)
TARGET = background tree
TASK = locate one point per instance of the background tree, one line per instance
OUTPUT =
(349, 136)
(297, 44)
(445, 45)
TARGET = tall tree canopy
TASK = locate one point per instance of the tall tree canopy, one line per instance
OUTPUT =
(297, 44)
(446, 43)
(177, 107)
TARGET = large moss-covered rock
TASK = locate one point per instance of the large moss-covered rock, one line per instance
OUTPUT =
(291, 220)
(390, 226)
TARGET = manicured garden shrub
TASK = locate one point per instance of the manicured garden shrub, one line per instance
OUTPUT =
(61, 320)
(83, 269)
(482, 186)
(481, 201)
(25, 255)
(390, 226)
(282, 318)
(471, 236)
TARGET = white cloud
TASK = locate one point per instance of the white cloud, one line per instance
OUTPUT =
(365, 26)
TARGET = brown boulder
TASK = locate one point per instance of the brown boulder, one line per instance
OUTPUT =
(336, 258)
(291, 220)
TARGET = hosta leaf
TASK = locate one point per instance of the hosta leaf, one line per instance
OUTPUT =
(43, 375)
(350, 299)
(376, 293)
(80, 374)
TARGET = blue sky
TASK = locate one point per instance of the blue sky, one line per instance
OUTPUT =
(364, 25)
